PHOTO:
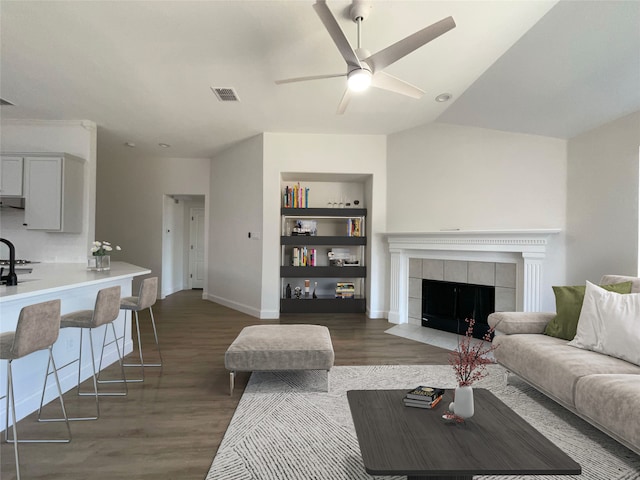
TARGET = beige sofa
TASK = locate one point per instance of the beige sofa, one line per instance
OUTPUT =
(603, 390)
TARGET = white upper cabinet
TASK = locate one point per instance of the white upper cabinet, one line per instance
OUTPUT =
(54, 188)
(11, 176)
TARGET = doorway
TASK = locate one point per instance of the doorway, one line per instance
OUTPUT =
(183, 243)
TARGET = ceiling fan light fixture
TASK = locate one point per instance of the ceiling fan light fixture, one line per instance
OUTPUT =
(359, 80)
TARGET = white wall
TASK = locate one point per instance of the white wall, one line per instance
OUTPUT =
(602, 206)
(77, 138)
(130, 193)
(235, 261)
(444, 176)
(315, 153)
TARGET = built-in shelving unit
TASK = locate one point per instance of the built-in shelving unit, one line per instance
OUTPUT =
(325, 246)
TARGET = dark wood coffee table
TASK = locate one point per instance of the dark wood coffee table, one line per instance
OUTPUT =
(419, 443)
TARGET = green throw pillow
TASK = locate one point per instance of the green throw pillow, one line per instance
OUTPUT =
(568, 305)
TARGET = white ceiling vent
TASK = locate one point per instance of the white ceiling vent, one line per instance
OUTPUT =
(226, 94)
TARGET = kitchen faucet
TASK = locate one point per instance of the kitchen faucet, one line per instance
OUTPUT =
(11, 278)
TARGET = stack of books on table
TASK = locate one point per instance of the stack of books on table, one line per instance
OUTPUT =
(423, 397)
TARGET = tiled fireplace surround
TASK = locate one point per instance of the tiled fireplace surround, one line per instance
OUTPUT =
(510, 260)
(502, 276)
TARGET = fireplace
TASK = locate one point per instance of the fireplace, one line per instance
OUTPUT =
(523, 250)
(446, 305)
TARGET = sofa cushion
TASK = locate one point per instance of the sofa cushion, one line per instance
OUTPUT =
(612, 403)
(611, 279)
(610, 324)
(509, 323)
(568, 305)
(552, 365)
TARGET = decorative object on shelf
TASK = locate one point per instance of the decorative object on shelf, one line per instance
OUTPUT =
(287, 293)
(297, 292)
(469, 363)
(315, 285)
(356, 202)
(307, 285)
(100, 259)
(305, 227)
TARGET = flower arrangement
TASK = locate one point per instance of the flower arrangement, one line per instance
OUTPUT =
(99, 249)
(470, 359)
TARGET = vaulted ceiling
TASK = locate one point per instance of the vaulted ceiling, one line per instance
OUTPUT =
(143, 70)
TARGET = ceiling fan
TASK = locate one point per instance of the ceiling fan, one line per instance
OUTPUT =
(364, 69)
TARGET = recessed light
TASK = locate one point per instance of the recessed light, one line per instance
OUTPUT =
(443, 97)
(164, 145)
(130, 144)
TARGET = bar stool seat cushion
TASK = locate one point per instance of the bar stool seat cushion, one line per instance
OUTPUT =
(77, 319)
(129, 303)
(281, 347)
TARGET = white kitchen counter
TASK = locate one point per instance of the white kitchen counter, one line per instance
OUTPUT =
(47, 278)
(76, 287)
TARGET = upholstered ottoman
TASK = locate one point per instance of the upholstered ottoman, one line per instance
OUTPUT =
(280, 347)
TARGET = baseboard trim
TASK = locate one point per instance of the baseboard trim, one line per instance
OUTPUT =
(254, 312)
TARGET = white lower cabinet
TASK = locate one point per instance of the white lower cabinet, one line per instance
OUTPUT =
(54, 188)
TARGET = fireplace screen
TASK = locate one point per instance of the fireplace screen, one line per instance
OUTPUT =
(446, 305)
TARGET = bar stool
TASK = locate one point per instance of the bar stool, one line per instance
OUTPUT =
(38, 328)
(145, 299)
(106, 310)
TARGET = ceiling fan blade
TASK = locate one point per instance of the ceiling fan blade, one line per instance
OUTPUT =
(388, 82)
(331, 24)
(313, 77)
(344, 102)
(395, 52)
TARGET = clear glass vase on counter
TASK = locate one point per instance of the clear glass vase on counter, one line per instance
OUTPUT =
(99, 263)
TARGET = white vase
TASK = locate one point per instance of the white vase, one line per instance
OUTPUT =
(463, 402)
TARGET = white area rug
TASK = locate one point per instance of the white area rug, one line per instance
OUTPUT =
(286, 427)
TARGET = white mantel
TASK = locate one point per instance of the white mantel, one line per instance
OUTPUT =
(526, 248)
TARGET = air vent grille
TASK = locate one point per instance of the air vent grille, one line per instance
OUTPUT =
(226, 94)
(5, 102)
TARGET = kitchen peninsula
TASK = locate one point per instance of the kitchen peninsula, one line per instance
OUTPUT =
(77, 288)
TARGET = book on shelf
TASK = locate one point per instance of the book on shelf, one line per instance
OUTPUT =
(296, 196)
(345, 290)
(424, 393)
(303, 257)
(353, 227)
(421, 403)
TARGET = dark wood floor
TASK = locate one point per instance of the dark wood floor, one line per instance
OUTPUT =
(170, 426)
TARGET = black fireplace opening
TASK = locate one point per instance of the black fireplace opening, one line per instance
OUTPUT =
(446, 305)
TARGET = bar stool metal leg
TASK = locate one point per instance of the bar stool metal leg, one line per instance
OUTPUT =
(120, 361)
(11, 400)
(145, 299)
(64, 418)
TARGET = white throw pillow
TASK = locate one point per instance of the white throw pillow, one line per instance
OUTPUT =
(609, 323)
